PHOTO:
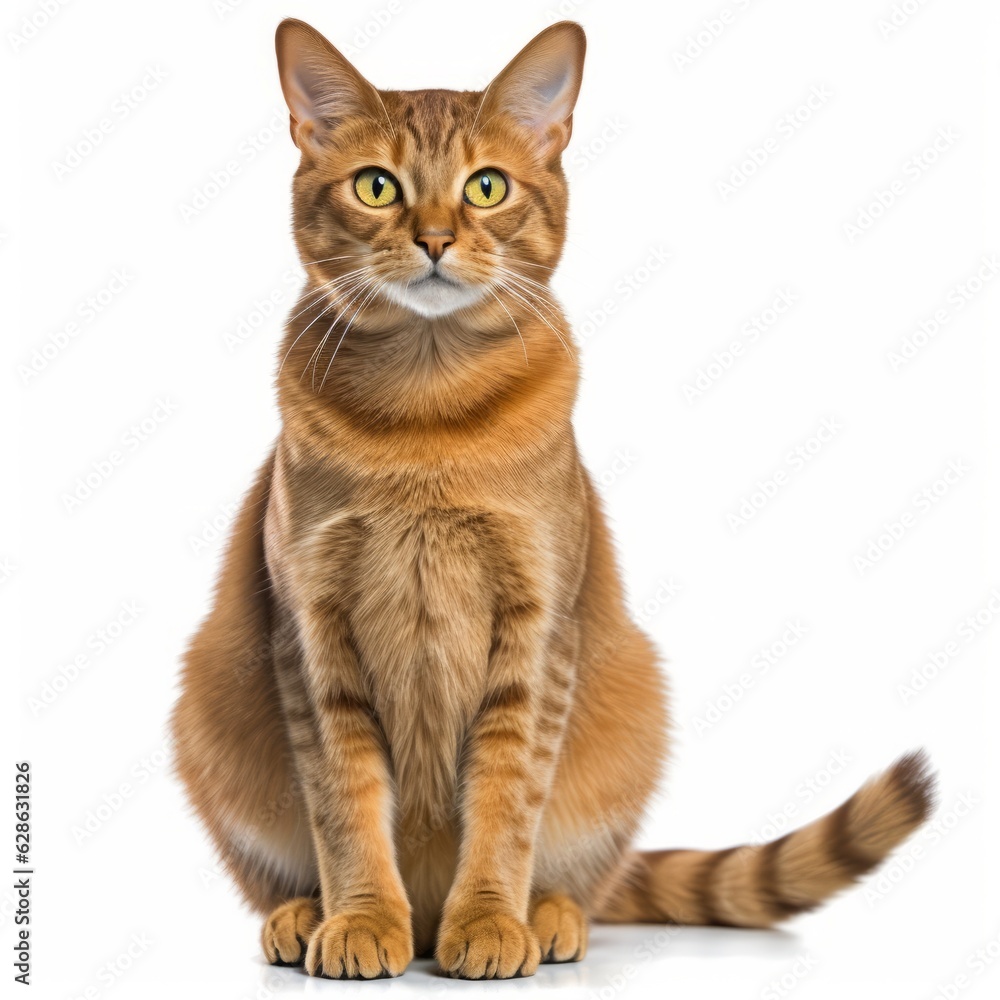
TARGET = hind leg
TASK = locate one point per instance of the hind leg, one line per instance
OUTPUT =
(232, 753)
(231, 745)
(609, 767)
(561, 928)
(287, 930)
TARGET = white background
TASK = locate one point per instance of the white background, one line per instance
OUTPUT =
(180, 342)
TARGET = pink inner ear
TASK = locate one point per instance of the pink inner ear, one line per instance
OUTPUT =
(552, 89)
(541, 99)
(540, 84)
(319, 83)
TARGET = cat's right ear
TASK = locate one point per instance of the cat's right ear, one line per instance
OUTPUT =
(321, 87)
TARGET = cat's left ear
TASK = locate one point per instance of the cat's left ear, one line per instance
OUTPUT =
(539, 86)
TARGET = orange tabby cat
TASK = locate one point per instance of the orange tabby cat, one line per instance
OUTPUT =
(418, 717)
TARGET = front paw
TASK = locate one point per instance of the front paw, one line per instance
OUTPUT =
(360, 945)
(490, 946)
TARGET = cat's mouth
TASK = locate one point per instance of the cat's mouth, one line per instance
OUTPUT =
(438, 278)
(435, 294)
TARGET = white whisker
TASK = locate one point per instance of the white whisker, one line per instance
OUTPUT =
(324, 260)
(482, 101)
(319, 292)
(524, 346)
(388, 120)
(517, 260)
(315, 299)
(356, 290)
(508, 288)
(364, 301)
(528, 286)
(485, 123)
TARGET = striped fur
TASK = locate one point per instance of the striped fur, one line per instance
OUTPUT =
(418, 717)
(762, 885)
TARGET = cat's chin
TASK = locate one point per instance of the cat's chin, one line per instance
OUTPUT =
(433, 296)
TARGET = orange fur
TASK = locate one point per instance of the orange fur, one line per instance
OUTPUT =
(418, 715)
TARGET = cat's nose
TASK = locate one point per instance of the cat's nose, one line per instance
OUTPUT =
(434, 242)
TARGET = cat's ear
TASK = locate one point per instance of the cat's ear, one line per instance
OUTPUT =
(321, 87)
(539, 86)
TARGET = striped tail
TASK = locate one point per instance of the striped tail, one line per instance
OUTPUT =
(759, 886)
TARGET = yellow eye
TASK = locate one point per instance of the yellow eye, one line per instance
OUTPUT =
(376, 187)
(486, 188)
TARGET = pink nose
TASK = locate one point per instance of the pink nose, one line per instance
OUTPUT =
(435, 242)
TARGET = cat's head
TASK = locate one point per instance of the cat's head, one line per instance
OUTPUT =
(435, 200)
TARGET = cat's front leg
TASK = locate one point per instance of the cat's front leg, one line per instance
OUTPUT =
(366, 929)
(511, 754)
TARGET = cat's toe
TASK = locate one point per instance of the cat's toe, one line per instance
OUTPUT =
(492, 946)
(287, 930)
(561, 928)
(360, 946)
